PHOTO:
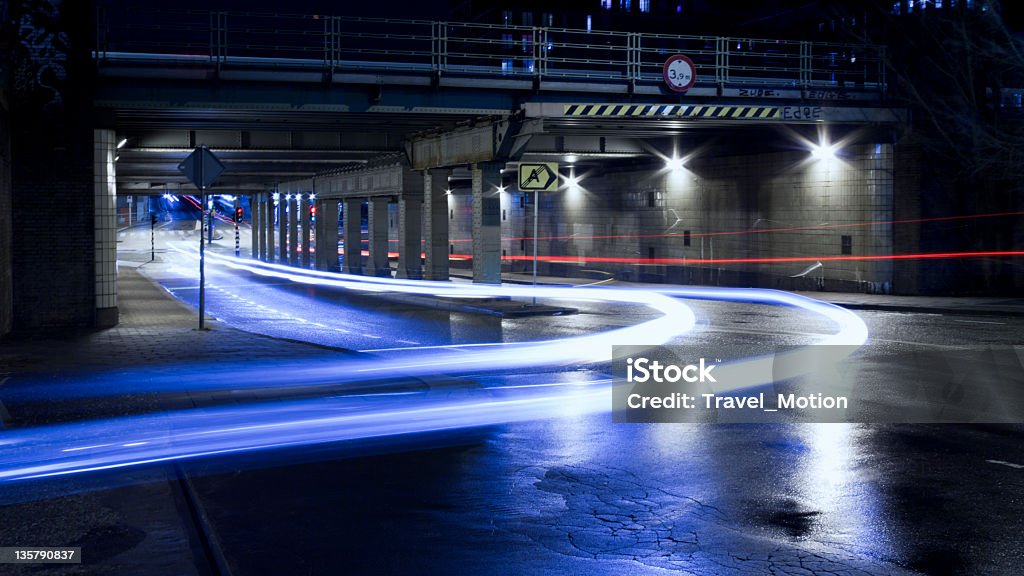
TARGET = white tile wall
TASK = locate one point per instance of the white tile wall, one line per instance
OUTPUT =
(105, 193)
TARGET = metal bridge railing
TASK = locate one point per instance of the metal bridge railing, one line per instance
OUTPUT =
(338, 44)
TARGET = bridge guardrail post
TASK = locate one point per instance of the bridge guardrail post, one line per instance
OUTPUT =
(721, 61)
(102, 30)
(439, 47)
(539, 54)
(218, 38)
(633, 58)
(332, 28)
(806, 74)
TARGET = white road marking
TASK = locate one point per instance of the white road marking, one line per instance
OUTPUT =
(978, 322)
(1005, 463)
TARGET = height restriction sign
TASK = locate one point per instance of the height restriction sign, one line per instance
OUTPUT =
(680, 73)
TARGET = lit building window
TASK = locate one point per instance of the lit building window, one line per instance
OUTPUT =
(645, 5)
(606, 4)
(590, 23)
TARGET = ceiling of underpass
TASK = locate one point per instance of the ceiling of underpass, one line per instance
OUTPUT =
(261, 148)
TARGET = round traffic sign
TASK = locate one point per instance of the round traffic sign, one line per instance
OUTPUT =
(680, 73)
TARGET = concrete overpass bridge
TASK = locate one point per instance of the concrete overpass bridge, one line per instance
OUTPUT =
(411, 129)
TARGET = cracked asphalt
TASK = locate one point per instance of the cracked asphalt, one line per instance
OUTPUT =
(579, 494)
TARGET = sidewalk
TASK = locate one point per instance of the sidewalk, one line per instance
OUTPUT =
(145, 527)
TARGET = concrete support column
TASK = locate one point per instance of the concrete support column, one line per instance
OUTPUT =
(377, 232)
(294, 207)
(327, 215)
(282, 229)
(261, 231)
(267, 230)
(305, 207)
(331, 234)
(353, 241)
(486, 223)
(105, 226)
(410, 237)
(254, 211)
(318, 236)
(435, 224)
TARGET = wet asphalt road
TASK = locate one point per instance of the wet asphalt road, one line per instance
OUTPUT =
(581, 495)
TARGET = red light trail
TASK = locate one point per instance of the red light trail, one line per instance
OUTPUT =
(762, 230)
(771, 260)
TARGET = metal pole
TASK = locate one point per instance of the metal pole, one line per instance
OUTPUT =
(238, 251)
(209, 220)
(152, 237)
(202, 251)
(536, 203)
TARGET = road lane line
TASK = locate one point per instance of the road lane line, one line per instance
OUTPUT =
(978, 322)
(1005, 463)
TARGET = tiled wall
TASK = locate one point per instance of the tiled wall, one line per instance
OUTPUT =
(105, 239)
(6, 296)
(728, 205)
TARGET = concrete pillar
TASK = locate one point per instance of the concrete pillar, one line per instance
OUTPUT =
(263, 212)
(105, 227)
(435, 224)
(486, 223)
(306, 223)
(353, 241)
(254, 211)
(377, 236)
(318, 235)
(327, 215)
(267, 252)
(410, 238)
(294, 206)
(282, 229)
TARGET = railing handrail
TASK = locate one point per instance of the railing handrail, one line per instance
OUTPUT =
(507, 50)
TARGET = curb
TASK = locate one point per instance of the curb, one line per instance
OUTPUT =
(927, 309)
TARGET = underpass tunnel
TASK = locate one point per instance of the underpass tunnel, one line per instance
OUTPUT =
(730, 205)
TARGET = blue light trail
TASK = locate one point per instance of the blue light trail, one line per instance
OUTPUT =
(107, 444)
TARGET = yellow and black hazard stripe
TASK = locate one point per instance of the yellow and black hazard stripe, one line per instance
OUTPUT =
(742, 112)
(634, 110)
(672, 110)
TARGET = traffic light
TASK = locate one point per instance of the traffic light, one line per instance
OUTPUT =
(238, 214)
(312, 210)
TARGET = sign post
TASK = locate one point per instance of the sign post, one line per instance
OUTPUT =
(201, 167)
(152, 237)
(238, 220)
(537, 177)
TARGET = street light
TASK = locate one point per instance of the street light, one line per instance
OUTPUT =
(824, 151)
(674, 164)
